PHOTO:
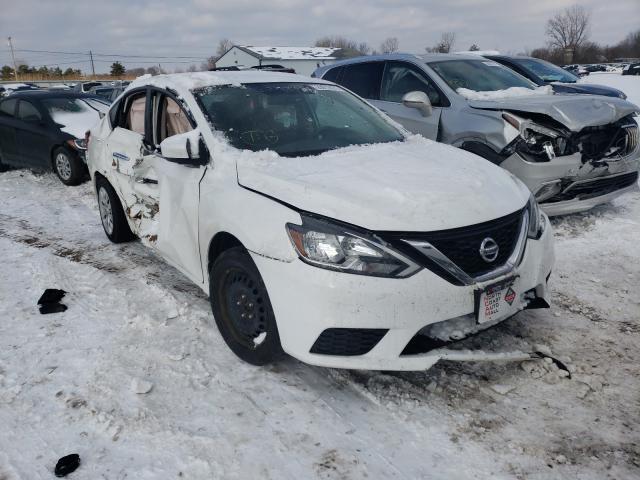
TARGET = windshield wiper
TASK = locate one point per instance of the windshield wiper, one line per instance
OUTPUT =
(304, 153)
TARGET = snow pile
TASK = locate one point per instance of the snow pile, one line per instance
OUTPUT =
(508, 93)
(629, 84)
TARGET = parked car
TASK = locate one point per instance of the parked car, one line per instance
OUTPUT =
(572, 151)
(543, 73)
(317, 226)
(631, 69)
(84, 87)
(108, 92)
(9, 88)
(595, 68)
(577, 70)
(46, 129)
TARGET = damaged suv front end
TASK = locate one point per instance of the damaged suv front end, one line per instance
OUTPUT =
(572, 169)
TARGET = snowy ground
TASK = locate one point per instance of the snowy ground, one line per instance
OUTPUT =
(628, 84)
(66, 379)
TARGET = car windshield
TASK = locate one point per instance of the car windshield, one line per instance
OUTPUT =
(479, 75)
(293, 119)
(546, 71)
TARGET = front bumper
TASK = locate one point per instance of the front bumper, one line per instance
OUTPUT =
(307, 301)
(567, 171)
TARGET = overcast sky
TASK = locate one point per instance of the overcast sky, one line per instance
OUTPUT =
(193, 27)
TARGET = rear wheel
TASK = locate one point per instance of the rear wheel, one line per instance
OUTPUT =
(69, 168)
(111, 213)
(242, 309)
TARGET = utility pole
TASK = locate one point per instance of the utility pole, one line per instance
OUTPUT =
(93, 68)
(13, 57)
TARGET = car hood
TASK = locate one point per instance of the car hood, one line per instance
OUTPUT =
(574, 112)
(586, 89)
(416, 185)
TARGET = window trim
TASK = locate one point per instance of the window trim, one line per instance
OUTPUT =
(444, 102)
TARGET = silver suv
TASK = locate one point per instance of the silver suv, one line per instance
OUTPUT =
(572, 151)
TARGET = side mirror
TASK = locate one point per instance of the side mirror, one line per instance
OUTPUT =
(185, 148)
(418, 100)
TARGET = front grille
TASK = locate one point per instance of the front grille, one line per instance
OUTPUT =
(462, 245)
(347, 341)
(595, 188)
(608, 141)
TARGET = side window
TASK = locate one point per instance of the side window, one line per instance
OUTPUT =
(8, 107)
(28, 112)
(172, 119)
(130, 113)
(333, 75)
(401, 78)
(363, 79)
(134, 118)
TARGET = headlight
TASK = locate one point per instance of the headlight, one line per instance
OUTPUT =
(335, 247)
(78, 144)
(537, 221)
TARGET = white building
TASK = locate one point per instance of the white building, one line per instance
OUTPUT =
(304, 60)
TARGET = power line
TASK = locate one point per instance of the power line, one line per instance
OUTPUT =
(55, 52)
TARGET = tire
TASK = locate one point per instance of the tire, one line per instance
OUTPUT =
(242, 309)
(69, 168)
(112, 216)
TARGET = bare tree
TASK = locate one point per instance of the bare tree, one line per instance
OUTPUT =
(568, 30)
(348, 48)
(445, 45)
(223, 47)
(389, 45)
(474, 48)
(364, 48)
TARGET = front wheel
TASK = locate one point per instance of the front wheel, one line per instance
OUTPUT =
(111, 213)
(242, 309)
(69, 168)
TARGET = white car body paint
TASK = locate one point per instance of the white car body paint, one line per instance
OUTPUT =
(416, 185)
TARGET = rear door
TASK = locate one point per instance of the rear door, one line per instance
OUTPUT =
(33, 134)
(159, 196)
(400, 78)
(8, 145)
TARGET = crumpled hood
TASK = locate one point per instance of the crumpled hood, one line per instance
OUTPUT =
(574, 112)
(416, 185)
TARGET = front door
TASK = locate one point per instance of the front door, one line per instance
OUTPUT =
(399, 79)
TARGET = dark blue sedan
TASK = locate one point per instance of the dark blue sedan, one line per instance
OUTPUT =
(543, 73)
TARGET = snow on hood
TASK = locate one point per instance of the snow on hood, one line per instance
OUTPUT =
(573, 111)
(416, 185)
(507, 93)
(77, 123)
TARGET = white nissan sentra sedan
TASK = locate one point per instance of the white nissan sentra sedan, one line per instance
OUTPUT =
(318, 227)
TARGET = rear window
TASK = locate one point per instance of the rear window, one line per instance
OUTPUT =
(363, 79)
(8, 107)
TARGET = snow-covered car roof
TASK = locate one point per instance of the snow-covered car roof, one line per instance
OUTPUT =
(192, 81)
